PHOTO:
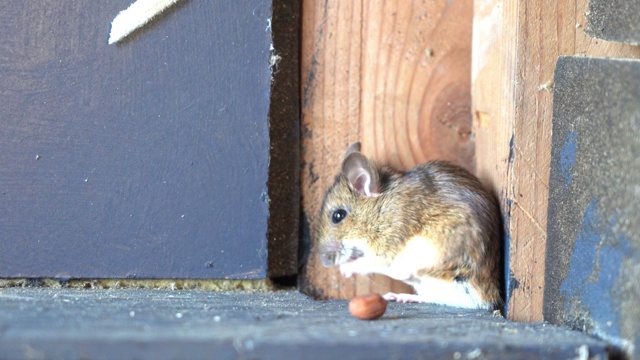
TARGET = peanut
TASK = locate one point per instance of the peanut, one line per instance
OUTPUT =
(368, 307)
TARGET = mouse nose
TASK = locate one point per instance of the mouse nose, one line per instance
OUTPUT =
(328, 258)
(329, 252)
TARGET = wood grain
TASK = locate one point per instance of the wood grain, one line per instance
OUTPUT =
(515, 47)
(393, 74)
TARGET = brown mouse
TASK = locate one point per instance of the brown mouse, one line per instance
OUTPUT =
(433, 227)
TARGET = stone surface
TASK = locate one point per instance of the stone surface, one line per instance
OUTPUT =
(614, 20)
(152, 324)
(593, 246)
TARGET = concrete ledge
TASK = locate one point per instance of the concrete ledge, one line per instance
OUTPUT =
(38, 323)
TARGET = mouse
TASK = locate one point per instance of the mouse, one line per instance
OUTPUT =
(434, 227)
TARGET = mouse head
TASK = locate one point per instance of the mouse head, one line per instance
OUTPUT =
(348, 214)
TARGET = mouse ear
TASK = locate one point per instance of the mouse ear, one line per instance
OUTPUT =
(355, 147)
(361, 174)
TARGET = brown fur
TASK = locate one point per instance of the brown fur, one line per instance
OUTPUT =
(437, 200)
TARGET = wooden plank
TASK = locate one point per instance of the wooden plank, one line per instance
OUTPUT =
(146, 159)
(514, 54)
(392, 74)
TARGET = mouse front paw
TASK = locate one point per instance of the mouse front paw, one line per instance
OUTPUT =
(402, 298)
(360, 267)
(346, 273)
(346, 270)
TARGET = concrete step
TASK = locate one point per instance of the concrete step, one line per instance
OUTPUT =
(45, 323)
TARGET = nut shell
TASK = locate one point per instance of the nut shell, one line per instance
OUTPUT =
(368, 307)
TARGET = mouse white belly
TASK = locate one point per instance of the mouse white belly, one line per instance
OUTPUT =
(418, 253)
(442, 292)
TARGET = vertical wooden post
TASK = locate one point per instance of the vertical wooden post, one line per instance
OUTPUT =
(393, 74)
(515, 47)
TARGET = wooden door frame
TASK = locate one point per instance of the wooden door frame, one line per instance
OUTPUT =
(514, 49)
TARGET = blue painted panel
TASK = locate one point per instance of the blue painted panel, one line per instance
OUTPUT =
(146, 159)
(593, 244)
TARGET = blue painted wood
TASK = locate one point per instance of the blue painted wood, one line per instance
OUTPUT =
(148, 159)
(593, 246)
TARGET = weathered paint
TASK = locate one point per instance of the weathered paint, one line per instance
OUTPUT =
(568, 156)
(593, 245)
(594, 270)
(614, 21)
(509, 284)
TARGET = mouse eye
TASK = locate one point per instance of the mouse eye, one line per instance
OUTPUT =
(338, 216)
